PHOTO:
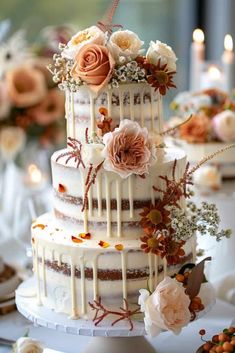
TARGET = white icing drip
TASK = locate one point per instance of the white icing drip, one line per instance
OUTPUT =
(83, 295)
(150, 260)
(67, 111)
(39, 302)
(160, 112)
(131, 104)
(152, 110)
(142, 107)
(119, 208)
(95, 278)
(99, 194)
(59, 259)
(124, 280)
(108, 206)
(92, 114)
(131, 199)
(152, 190)
(74, 314)
(73, 115)
(90, 208)
(155, 270)
(164, 267)
(44, 273)
(109, 97)
(85, 217)
(121, 103)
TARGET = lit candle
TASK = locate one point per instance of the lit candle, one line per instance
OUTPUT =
(212, 78)
(34, 177)
(197, 54)
(228, 63)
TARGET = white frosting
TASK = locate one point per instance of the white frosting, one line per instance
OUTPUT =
(109, 186)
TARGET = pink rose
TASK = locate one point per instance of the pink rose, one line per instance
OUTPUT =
(224, 125)
(167, 308)
(93, 65)
(128, 149)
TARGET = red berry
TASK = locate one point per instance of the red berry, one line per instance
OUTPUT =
(207, 346)
(227, 346)
(202, 332)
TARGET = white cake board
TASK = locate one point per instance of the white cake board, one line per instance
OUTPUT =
(105, 338)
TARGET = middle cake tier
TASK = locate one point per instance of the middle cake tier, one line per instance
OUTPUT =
(114, 204)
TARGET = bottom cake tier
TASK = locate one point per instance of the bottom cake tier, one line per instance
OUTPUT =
(71, 272)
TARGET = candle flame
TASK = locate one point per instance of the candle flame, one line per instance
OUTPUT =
(35, 174)
(228, 42)
(214, 72)
(198, 35)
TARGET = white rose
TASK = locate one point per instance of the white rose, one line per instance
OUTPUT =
(89, 35)
(208, 176)
(92, 154)
(12, 141)
(167, 308)
(5, 104)
(27, 345)
(124, 46)
(224, 126)
(163, 52)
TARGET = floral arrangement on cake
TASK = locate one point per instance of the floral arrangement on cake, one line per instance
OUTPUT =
(98, 57)
(222, 342)
(213, 116)
(31, 106)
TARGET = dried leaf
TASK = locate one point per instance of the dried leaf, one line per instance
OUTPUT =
(103, 244)
(119, 247)
(196, 278)
(61, 188)
(85, 235)
(200, 350)
(39, 225)
(76, 240)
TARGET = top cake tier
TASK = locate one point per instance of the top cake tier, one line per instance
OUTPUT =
(107, 78)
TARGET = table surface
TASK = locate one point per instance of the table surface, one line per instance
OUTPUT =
(14, 325)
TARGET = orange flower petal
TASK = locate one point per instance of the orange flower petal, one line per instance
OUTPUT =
(42, 226)
(119, 247)
(61, 188)
(103, 244)
(103, 111)
(76, 240)
(85, 235)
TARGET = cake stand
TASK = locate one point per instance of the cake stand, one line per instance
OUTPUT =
(105, 339)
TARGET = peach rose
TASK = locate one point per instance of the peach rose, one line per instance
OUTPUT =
(26, 86)
(128, 149)
(196, 130)
(167, 308)
(51, 108)
(93, 65)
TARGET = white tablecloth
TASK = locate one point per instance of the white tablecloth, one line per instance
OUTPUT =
(14, 325)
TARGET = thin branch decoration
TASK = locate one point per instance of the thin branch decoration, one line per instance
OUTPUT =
(106, 25)
(172, 129)
(74, 153)
(101, 312)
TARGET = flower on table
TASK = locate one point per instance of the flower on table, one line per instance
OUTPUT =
(196, 130)
(167, 308)
(91, 35)
(27, 345)
(12, 141)
(128, 150)
(224, 126)
(125, 46)
(162, 52)
(93, 64)
(26, 86)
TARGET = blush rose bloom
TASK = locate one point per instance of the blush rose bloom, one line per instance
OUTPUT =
(27, 345)
(124, 46)
(167, 308)
(91, 35)
(163, 52)
(26, 86)
(128, 149)
(224, 126)
(93, 65)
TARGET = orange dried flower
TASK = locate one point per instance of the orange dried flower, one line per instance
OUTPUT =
(85, 235)
(61, 188)
(33, 240)
(196, 130)
(119, 247)
(103, 244)
(155, 217)
(76, 240)
(39, 225)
